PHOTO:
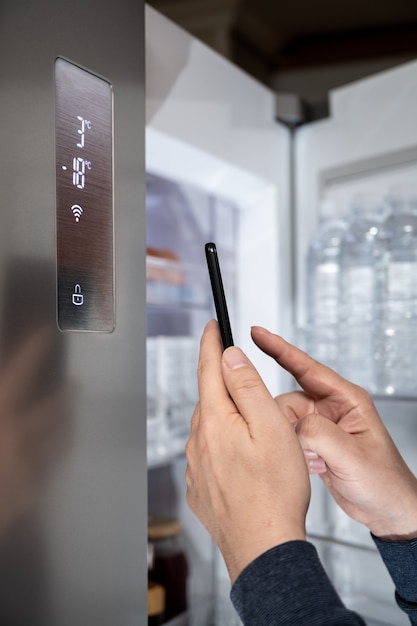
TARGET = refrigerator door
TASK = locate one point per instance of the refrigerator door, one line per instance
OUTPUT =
(73, 478)
(368, 144)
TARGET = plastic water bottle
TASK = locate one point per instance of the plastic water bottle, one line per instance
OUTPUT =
(396, 297)
(322, 288)
(358, 255)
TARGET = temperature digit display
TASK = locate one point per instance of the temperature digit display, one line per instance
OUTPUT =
(84, 199)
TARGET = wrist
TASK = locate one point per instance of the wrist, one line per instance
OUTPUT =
(395, 532)
(401, 524)
(244, 551)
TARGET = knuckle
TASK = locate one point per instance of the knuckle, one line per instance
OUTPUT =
(195, 417)
(191, 451)
(188, 480)
(245, 380)
(310, 426)
(364, 395)
(189, 498)
(187, 449)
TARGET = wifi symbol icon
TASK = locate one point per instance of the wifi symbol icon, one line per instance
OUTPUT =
(76, 211)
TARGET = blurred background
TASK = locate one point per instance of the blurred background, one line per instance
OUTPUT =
(302, 47)
(294, 213)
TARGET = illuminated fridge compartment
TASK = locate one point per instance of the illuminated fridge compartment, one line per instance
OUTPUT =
(181, 218)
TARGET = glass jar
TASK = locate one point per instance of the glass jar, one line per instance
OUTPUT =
(156, 595)
(156, 604)
(169, 567)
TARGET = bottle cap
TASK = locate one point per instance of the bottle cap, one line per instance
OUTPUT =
(162, 527)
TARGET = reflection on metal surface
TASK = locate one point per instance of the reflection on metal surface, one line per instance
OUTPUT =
(35, 425)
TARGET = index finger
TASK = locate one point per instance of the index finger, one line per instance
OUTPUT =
(315, 378)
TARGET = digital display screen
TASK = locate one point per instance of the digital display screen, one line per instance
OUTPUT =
(84, 199)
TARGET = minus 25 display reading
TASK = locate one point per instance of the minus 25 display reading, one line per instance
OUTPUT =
(84, 199)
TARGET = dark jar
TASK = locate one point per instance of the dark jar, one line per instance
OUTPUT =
(156, 604)
(170, 567)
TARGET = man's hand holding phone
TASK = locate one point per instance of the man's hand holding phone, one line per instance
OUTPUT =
(247, 479)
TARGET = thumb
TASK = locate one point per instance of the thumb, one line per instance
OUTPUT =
(248, 391)
(327, 440)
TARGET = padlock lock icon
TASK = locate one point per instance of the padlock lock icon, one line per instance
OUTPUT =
(77, 296)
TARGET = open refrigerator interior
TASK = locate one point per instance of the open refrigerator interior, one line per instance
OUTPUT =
(184, 213)
(346, 547)
(212, 150)
(220, 168)
(365, 149)
(181, 218)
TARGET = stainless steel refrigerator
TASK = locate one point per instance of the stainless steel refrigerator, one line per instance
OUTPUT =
(73, 469)
(221, 162)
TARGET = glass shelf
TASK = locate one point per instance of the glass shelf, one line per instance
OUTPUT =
(204, 613)
(194, 617)
(361, 579)
(177, 306)
(170, 283)
(301, 341)
(379, 397)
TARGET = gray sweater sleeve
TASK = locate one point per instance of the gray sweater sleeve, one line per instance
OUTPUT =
(287, 586)
(400, 558)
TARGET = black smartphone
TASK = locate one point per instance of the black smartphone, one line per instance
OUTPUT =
(218, 295)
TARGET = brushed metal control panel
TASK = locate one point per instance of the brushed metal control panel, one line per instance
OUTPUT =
(84, 199)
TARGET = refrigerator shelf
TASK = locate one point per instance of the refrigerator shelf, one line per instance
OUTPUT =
(171, 282)
(201, 616)
(214, 612)
(361, 579)
(337, 541)
(394, 397)
(174, 306)
(328, 334)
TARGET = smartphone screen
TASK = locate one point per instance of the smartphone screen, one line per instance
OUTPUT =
(218, 295)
